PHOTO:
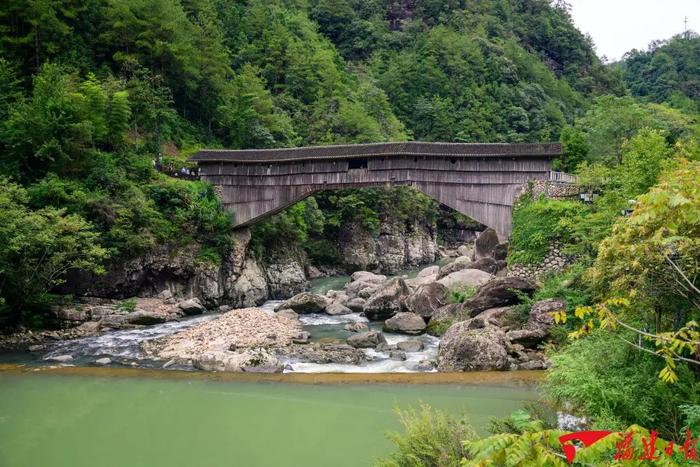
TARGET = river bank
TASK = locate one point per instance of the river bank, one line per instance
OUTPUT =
(458, 315)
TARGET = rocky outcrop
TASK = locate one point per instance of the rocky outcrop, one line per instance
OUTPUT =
(538, 324)
(427, 299)
(465, 349)
(305, 302)
(465, 278)
(285, 279)
(405, 323)
(501, 291)
(387, 300)
(249, 288)
(395, 247)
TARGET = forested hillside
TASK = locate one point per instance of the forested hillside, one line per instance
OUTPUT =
(94, 93)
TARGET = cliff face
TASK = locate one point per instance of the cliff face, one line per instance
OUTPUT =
(241, 280)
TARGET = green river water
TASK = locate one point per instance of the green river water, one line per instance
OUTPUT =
(156, 418)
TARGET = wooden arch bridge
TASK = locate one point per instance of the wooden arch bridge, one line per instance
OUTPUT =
(478, 180)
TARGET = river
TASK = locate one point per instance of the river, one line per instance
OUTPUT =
(75, 417)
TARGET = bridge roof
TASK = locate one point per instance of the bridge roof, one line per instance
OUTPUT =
(351, 151)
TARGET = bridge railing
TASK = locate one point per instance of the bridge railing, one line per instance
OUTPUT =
(562, 177)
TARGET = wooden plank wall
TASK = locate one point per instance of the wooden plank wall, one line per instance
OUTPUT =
(481, 188)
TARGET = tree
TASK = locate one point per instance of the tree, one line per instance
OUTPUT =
(38, 248)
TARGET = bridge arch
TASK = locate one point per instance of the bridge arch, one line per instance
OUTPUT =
(478, 180)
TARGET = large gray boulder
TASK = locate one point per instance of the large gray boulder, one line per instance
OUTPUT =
(405, 323)
(538, 324)
(193, 306)
(337, 308)
(465, 349)
(356, 305)
(499, 292)
(465, 278)
(250, 360)
(411, 345)
(485, 244)
(427, 299)
(425, 276)
(541, 313)
(367, 339)
(386, 301)
(305, 302)
(144, 317)
(487, 264)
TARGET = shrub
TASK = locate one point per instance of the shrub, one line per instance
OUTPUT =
(617, 385)
(537, 223)
(431, 438)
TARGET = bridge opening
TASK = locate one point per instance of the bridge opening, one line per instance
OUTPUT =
(357, 163)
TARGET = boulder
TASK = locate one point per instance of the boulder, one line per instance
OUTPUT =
(337, 308)
(305, 302)
(356, 327)
(366, 276)
(367, 339)
(246, 360)
(449, 313)
(487, 264)
(144, 317)
(541, 313)
(386, 301)
(526, 337)
(492, 316)
(459, 263)
(356, 304)
(191, 307)
(103, 361)
(426, 276)
(397, 355)
(465, 278)
(500, 252)
(337, 296)
(466, 349)
(497, 293)
(328, 353)
(405, 323)
(485, 244)
(465, 250)
(426, 299)
(412, 345)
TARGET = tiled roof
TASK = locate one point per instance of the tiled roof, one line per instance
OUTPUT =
(411, 148)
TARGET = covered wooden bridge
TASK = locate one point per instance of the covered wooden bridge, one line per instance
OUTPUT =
(478, 180)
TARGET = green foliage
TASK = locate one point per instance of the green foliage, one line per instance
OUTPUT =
(537, 223)
(617, 385)
(38, 248)
(461, 295)
(126, 306)
(667, 72)
(431, 438)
